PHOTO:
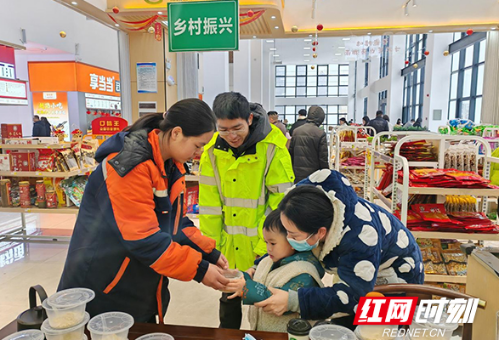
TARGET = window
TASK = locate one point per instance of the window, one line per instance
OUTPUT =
(298, 81)
(333, 113)
(366, 75)
(383, 61)
(414, 79)
(415, 47)
(382, 100)
(466, 82)
(365, 106)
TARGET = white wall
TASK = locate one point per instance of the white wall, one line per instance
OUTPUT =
(215, 74)
(256, 75)
(241, 69)
(44, 19)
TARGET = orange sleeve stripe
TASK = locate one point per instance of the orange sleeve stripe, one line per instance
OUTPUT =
(177, 188)
(205, 243)
(117, 279)
(132, 201)
(178, 262)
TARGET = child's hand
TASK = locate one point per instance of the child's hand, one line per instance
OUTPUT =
(236, 287)
(251, 272)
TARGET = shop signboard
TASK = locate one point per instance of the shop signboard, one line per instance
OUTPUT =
(53, 106)
(203, 26)
(13, 92)
(108, 126)
(7, 71)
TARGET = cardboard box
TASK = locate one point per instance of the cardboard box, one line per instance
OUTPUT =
(4, 162)
(23, 161)
(48, 140)
(21, 141)
(11, 131)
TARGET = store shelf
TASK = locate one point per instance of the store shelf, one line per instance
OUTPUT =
(352, 167)
(452, 191)
(34, 146)
(191, 178)
(42, 174)
(380, 196)
(457, 236)
(66, 211)
(382, 156)
(444, 278)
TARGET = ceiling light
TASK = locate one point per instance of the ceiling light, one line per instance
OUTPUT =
(306, 48)
(492, 28)
(160, 13)
(406, 11)
(74, 3)
(307, 40)
(430, 31)
(270, 41)
(369, 33)
(306, 55)
(116, 25)
(337, 53)
(306, 60)
(414, 4)
(275, 55)
(341, 47)
(272, 17)
(254, 37)
(277, 27)
(273, 49)
(310, 35)
(346, 39)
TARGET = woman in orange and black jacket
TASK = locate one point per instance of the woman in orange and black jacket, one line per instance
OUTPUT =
(132, 233)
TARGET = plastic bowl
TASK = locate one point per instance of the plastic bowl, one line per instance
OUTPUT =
(71, 298)
(30, 334)
(447, 328)
(231, 274)
(64, 317)
(72, 333)
(331, 332)
(110, 326)
(371, 332)
(156, 336)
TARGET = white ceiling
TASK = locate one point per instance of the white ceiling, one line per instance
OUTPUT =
(292, 51)
(386, 14)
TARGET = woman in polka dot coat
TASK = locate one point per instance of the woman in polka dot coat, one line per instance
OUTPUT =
(358, 241)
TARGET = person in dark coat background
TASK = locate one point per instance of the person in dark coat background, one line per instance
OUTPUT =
(40, 128)
(47, 126)
(378, 123)
(308, 148)
(418, 122)
(302, 119)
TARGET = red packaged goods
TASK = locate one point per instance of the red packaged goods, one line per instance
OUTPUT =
(192, 200)
(46, 163)
(24, 194)
(11, 131)
(432, 212)
(23, 161)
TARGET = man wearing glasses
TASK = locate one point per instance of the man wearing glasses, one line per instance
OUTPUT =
(244, 172)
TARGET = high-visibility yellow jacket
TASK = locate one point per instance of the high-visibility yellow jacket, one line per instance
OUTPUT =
(235, 194)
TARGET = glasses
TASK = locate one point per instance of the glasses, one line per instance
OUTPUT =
(235, 132)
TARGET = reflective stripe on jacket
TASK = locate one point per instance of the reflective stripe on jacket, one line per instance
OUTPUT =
(235, 195)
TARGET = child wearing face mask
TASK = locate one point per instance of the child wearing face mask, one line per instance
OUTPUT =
(283, 268)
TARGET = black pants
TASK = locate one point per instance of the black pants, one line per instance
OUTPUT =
(231, 312)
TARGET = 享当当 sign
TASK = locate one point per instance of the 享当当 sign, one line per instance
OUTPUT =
(203, 26)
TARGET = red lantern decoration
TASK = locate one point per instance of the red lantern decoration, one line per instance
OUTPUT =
(88, 112)
(320, 27)
(313, 49)
(469, 32)
(407, 62)
(315, 43)
(426, 53)
(250, 13)
(116, 10)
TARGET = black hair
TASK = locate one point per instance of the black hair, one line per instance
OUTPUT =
(272, 113)
(385, 117)
(343, 120)
(302, 112)
(36, 116)
(273, 223)
(399, 121)
(193, 115)
(366, 119)
(231, 105)
(379, 113)
(309, 208)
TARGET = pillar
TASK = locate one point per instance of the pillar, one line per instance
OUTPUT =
(215, 75)
(241, 71)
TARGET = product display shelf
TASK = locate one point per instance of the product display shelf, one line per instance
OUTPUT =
(41, 174)
(457, 236)
(442, 142)
(444, 278)
(35, 146)
(35, 210)
(337, 146)
(376, 158)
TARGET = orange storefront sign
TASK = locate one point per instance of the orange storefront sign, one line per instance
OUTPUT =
(68, 76)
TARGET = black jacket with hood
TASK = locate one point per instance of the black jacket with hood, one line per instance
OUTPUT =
(308, 148)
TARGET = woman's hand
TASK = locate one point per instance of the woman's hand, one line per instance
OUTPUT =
(251, 272)
(277, 304)
(222, 262)
(214, 278)
(236, 287)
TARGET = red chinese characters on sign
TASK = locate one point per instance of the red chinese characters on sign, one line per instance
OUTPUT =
(158, 29)
(108, 125)
(385, 311)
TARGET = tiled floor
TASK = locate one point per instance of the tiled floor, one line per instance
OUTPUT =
(23, 265)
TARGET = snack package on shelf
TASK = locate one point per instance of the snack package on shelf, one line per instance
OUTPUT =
(74, 188)
(15, 195)
(457, 287)
(347, 136)
(88, 153)
(11, 131)
(23, 161)
(69, 159)
(61, 195)
(446, 178)
(354, 161)
(61, 163)
(21, 141)
(46, 161)
(460, 203)
(5, 163)
(417, 151)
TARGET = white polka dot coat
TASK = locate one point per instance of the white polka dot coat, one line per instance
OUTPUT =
(366, 245)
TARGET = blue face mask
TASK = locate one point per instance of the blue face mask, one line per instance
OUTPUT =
(303, 244)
